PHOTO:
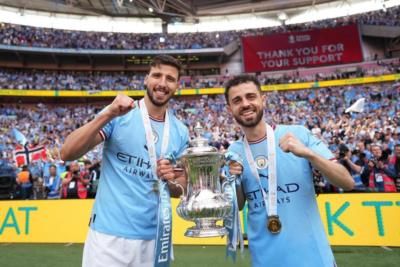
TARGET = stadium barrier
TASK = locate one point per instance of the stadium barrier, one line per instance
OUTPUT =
(201, 91)
(350, 219)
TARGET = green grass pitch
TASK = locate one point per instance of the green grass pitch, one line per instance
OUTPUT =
(62, 255)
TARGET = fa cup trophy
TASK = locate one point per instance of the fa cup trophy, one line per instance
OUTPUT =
(204, 202)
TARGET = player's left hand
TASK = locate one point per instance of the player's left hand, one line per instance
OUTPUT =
(165, 170)
(289, 143)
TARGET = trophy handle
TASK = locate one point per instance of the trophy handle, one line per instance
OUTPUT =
(232, 157)
(228, 181)
(224, 183)
(180, 187)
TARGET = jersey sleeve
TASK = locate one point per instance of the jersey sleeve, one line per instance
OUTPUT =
(235, 148)
(317, 145)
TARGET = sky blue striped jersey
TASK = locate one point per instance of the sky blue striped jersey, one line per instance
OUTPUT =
(126, 202)
(302, 241)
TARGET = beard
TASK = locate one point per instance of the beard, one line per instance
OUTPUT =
(251, 122)
(156, 102)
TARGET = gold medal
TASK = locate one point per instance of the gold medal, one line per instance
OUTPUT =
(274, 224)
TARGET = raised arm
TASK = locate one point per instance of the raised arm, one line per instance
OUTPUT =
(83, 139)
(333, 171)
(336, 173)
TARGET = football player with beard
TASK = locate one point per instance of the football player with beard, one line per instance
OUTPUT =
(284, 225)
(130, 223)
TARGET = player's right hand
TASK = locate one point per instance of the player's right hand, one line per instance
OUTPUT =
(121, 105)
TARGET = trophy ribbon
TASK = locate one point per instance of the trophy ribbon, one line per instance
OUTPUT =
(163, 247)
(232, 221)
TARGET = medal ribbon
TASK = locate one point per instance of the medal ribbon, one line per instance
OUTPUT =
(271, 199)
(163, 247)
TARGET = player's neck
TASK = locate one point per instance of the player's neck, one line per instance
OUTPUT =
(255, 133)
(155, 112)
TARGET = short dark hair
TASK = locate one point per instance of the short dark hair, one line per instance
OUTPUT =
(87, 162)
(166, 60)
(240, 79)
(343, 148)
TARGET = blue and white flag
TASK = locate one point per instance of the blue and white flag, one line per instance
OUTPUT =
(20, 137)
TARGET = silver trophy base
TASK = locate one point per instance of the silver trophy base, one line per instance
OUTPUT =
(205, 228)
(212, 232)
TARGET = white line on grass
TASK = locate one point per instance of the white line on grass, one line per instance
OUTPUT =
(68, 244)
(386, 248)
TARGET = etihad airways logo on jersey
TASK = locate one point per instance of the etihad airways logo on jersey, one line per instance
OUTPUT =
(255, 198)
(133, 160)
(135, 166)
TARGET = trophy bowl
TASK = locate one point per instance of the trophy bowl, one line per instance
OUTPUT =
(204, 202)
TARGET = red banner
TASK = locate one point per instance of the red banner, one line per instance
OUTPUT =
(302, 49)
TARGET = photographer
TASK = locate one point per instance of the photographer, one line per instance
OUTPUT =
(93, 172)
(395, 162)
(354, 168)
(378, 175)
(74, 183)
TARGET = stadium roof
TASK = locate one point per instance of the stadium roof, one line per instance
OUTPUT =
(159, 8)
(151, 16)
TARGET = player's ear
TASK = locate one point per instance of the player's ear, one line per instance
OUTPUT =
(229, 109)
(264, 100)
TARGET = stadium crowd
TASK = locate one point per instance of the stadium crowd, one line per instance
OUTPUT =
(18, 35)
(367, 143)
(69, 80)
(359, 140)
(100, 81)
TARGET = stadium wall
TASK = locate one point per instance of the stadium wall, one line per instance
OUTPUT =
(349, 219)
(372, 47)
(234, 65)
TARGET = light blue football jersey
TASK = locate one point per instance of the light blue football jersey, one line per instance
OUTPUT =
(126, 203)
(302, 241)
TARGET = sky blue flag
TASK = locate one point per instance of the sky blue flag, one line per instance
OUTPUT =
(20, 137)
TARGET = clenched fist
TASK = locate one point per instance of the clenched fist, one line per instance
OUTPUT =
(289, 143)
(121, 105)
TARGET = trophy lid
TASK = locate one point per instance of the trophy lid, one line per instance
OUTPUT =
(199, 145)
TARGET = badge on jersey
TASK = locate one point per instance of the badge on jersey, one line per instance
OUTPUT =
(261, 162)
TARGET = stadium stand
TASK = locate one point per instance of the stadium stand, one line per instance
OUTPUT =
(17, 35)
(320, 110)
(98, 80)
